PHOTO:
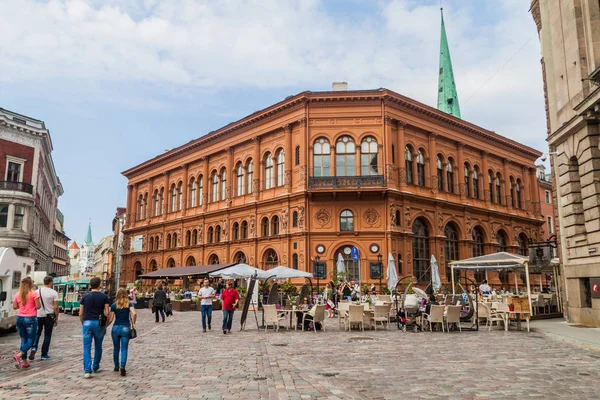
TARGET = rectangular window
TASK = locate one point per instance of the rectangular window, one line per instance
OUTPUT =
(3, 215)
(19, 216)
(550, 227)
(13, 172)
(547, 197)
(16, 279)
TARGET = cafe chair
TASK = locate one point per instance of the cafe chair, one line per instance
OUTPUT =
(272, 317)
(381, 314)
(355, 316)
(453, 317)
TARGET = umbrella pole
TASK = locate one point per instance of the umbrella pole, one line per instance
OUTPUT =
(453, 289)
(528, 287)
(516, 283)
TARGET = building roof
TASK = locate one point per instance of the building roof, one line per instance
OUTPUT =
(73, 245)
(447, 95)
(88, 237)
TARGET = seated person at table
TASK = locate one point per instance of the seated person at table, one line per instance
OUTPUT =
(305, 306)
(484, 287)
(432, 301)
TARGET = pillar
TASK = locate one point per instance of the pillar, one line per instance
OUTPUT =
(400, 154)
(135, 203)
(506, 174)
(305, 154)
(535, 191)
(166, 195)
(459, 171)
(432, 159)
(229, 186)
(257, 167)
(129, 205)
(485, 179)
(388, 142)
(205, 183)
(526, 189)
(185, 189)
(289, 157)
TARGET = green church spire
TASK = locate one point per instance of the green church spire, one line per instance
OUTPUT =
(447, 96)
(88, 237)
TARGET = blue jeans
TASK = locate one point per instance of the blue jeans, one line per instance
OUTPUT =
(206, 313)
(27, 327)
(227, 319)
(47, 325)
(120, 338)
(89, 330)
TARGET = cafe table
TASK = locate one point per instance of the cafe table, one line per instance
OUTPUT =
(518, 315)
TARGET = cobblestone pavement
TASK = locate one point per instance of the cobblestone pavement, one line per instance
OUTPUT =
(176, 360)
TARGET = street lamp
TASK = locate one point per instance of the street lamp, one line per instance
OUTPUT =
(379, 257)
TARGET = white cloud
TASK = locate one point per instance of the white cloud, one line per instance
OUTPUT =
(274, 43)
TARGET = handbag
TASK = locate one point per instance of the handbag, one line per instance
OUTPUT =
(52, 316)
(132, 331)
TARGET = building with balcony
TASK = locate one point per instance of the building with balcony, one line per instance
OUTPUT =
(29, 188)
(569, 32)
(321, 173)
(60, 259)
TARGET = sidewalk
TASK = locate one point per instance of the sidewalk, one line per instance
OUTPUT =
(575, 334)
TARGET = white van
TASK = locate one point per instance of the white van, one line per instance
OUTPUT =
(13, 268)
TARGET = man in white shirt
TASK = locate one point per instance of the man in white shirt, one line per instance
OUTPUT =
(47, 316)
(206, 293)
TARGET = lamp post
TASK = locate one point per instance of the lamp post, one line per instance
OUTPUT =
(379, 257)
(317, 275)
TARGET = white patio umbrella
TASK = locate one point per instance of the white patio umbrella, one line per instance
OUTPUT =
(436, 282)
(240, 271)
(340, 266)
(282, 272)
(392, 276)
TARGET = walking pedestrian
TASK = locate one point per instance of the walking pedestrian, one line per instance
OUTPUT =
(158, 303)
(27, 302)
(47, 317)
(230, 298)
(123, 314)
(207, 293)
(93, 314)
(133, 295)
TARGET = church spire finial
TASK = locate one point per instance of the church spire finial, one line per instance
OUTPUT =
(88, 237)
(447, 95)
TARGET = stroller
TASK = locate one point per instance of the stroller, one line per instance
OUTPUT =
(410, 313)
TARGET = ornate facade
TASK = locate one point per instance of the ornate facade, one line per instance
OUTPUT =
(321, 173)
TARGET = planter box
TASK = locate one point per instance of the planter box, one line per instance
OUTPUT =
(176, 305)
(186, 305)
(141, 303)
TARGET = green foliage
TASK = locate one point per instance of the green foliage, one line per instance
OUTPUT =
(242, 291)
(364, 288)
(385, 290)
(289, 289)
(177, 296)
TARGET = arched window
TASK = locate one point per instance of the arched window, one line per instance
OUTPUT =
(491, 186)
(297, 154)
(467, 181)
(140, 208)
(477, 242)
(215, 187)
(420, 168)
(239, 257)
(295, 261)
(295, 219)
(501, 240)
(217, 233)
(213, 259)
(275, 225)
(156, 203)
(209, 235)
(171, 263)
(498, 190)
(475, 183)
(193, 193)
(450, 175)
(321, 157)
(188, 238)
(368, 156)
(153, 266)
(151, 244)
(271, 259)
(239, 172)
(168, 244)
(200, 190)
(174, 242)
(351, 267)
(235, 231)
(451, 248)
(194, 237)
(180, 196)
(523, 245)
(345, 152)
(249, 176)
(408, 163)
(244, 229)
(513, 199)
(398, 220)
(346, 221)
(268, 171)
(264, 224)
(223, 184)
(421, 252)
(519, 196)
(190, 262)
(440, 173)
(280, 168)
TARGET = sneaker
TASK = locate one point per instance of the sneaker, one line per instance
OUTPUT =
(87, 375)
(96, 371)
(32, 354)
(45, 357)
(19, 361)
(25, 365)
(209, 327)
(203, 330)
(116, 369)
(123, 372)
(224, 331)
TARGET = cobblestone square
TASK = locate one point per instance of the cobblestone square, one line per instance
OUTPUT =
(175, 360)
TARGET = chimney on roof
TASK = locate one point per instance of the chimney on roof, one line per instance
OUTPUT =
(340, 86)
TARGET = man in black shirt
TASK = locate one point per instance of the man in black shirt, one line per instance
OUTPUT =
(92, 306)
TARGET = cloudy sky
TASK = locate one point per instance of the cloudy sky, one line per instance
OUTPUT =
(118, 82)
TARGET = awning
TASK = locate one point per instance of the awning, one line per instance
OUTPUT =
(180, 272)
(497, 261)
(282, 272)
(240, 271)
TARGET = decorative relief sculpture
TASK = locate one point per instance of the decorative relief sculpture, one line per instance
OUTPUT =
(371, 216)
(255, 186)
(204, 199)
(441, 223)
(301, 217)
(393, 221)
(391, 176)
(284, 259)
(402, 175)
(253, 226)
(303, 174)
(284, 220)
(322, 217)
(407, 216)
(408, 257)
(225, 229)
(288, 179)
(301, 258)
(200, 233)
(469, 227)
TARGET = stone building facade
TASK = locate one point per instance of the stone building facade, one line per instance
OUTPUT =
(29, 188)
(569, 32)
(323, 172)
(60, 259)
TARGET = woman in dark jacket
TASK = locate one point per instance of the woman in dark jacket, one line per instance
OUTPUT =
(158, 303)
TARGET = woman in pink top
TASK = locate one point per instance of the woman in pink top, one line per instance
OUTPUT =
(27, 302)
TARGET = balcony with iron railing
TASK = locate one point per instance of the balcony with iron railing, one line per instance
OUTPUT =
(16, 186)
(345, 182)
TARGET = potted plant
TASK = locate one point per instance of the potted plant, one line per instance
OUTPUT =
(177, 302)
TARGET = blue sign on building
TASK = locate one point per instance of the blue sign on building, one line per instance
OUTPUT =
(354, 254)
